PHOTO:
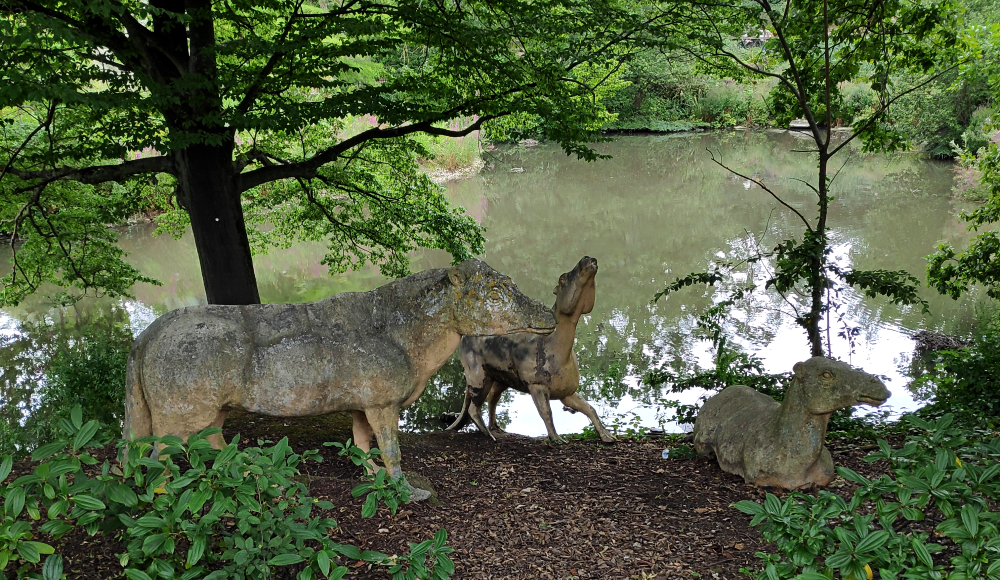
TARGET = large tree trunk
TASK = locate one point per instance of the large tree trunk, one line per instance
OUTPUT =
(209, 193)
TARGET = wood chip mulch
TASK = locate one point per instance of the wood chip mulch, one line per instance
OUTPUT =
(524, 508)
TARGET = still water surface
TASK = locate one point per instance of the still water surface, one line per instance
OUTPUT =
(659, 209)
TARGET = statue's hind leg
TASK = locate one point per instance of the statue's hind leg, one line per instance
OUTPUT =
(476, 406)
(217, 440)
(496, 390)
(362, 432)
(575, 402)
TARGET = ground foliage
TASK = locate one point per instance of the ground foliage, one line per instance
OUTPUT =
(520, 508)
(190, 511)
(942, 474)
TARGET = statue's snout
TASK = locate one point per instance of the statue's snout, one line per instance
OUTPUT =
(873, 392)
(540, 319)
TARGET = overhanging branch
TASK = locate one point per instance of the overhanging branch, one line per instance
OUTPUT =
(308, 169)
(101, 173)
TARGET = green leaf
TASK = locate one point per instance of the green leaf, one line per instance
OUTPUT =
(85, 434)
(5, 467)
(88, 502)
(121, 493)
(76, 416)
(851, 475)
(285, 559)
(921, 552)
(134, 574)
(53, 568)
(772, 504)
(28, 551)
(152, 543)
(323, 561)
(47, 450)
(970, 517)
(152, 522)
(197, 549)
(14, 502)
(347, 551)
(748, 507)
(912, 514)
(370, 506)
(872, 541)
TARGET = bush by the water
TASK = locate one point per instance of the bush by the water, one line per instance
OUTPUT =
(48, 369)
(190, 512)
(964, 381)
(945, 475)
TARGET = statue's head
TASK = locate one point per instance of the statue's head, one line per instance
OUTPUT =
(485, 302)
(576, 292)
(829, 385)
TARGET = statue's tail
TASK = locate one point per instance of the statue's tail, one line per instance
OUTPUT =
(138, 419)
(464, 418)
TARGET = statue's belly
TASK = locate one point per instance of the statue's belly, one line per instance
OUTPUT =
(311, 375)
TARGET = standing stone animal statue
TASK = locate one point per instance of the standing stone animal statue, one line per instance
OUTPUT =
(370, 353)
(544, 366)
(781, 445)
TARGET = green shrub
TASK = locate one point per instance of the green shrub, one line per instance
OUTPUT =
(48, 369)
(858, 100)
(190, 512)
(941, 473)
(964, 381)
(732, 367)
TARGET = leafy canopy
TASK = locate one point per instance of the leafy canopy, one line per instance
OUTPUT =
(99, 100)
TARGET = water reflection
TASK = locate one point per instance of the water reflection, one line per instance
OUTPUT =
(658, 210)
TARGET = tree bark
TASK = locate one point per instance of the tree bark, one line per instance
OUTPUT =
(209, 192)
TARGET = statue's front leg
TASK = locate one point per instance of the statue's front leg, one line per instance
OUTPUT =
(385, 424)
(540, 395)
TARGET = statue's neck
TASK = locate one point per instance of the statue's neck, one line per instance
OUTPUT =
(562, 338)
(794, 421)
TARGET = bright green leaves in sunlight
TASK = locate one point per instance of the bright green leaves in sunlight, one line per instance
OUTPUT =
(373, 207)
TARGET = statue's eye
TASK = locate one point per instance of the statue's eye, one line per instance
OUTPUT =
(495, 296)
(827, 375)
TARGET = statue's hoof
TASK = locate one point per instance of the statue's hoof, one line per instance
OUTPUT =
(421, 488)
(417, 494)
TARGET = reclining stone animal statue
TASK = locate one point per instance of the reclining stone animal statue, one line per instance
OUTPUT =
(370, 353)
(782, 445)
(544, 366)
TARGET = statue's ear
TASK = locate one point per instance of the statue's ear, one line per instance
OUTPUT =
(456, 276)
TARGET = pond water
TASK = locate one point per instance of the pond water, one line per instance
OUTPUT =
(659, 209)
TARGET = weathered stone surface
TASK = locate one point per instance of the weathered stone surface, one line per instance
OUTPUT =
(366, 352)
(544, 366)
(782, 445)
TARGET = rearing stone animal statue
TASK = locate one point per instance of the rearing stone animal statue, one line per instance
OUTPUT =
(782, 445)
(544, 366)
(370, 353)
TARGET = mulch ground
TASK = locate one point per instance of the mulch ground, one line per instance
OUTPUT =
(523, 508)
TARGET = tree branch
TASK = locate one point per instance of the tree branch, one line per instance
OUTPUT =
(101, 173)
(764, 187)
(886, 105)
(307, 169)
